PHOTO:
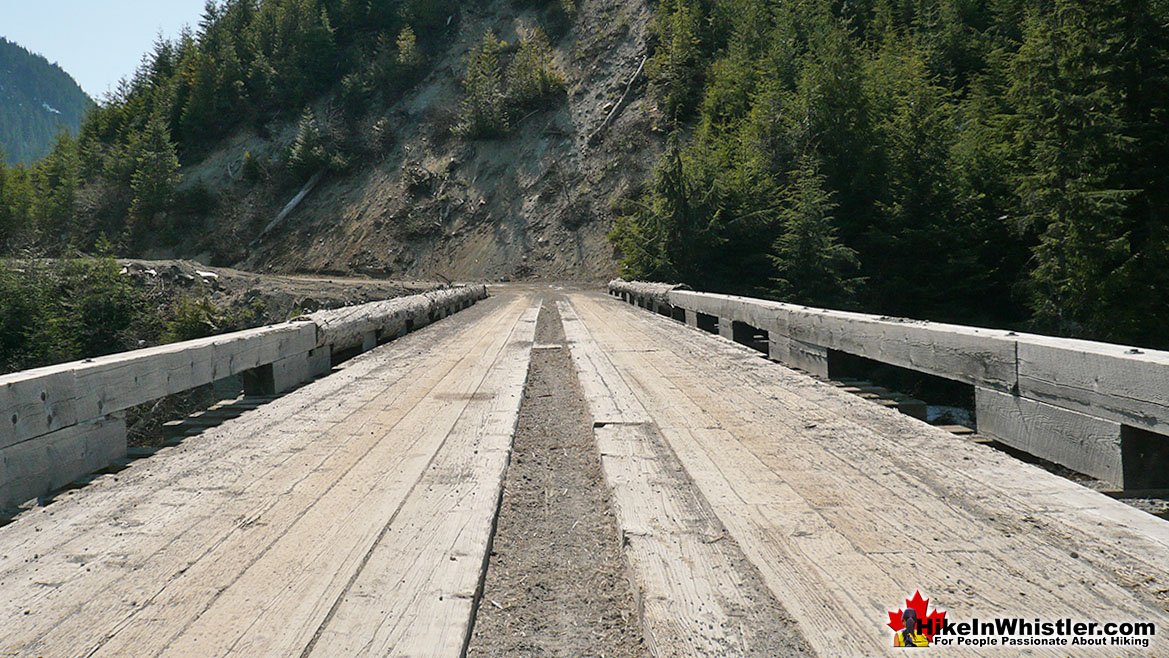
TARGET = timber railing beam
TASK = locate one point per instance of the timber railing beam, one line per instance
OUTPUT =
(1098, 408)
(61, 422)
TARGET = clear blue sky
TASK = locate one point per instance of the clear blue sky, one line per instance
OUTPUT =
(98, 42)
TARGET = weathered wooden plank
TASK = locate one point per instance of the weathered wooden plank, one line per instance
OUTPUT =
(415, 592)
(34, 468)
(1120, 383)
(47, 399)
(694, 583)
(719, 463)
(645, 292)
(609, 396)
(1082, 443)
(853, 467)
(395, 448)
(812, 359)
(36, 402)
(967, 354)
(345, 328)
(987, 477)
(764, 437)
(226, 526)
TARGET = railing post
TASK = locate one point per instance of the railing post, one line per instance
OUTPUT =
(726, 327)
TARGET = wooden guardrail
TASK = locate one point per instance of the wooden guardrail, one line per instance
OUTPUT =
(1097, 408)
(61, 422)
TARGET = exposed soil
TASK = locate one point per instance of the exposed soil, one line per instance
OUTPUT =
(536, 202)
(280, 296)
(557, 581)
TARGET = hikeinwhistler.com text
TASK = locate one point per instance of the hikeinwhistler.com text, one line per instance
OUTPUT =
(1019, 632)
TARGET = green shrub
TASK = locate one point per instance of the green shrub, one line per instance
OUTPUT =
(408, 56)
(313, 149)
(675, 67)
(491, 99)
(63, 311)
(354, 94)
(190, 318)
(196, 198)
(483, 111)
(532, 78)
(156, 174)
(194, 317)
(253, 169)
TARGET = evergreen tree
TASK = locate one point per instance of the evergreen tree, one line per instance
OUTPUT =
(7, 225)
(1081, 77)
(313, 149)
(675, 66)
(202, 111)
(811, 265)
(16, 203)
(156, 175)
(915, 236)
(531, 76)
(981, 171)
(56, 180)
(659, 239)
(829, 116)
(483, 110)
(408, 56)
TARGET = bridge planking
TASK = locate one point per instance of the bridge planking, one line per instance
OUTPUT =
(699, 595)
(240, 541)
(353, 516)
(415, 593)
(811, 483)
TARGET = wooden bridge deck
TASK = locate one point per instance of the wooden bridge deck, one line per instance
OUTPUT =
(846, 507)
(353, 516)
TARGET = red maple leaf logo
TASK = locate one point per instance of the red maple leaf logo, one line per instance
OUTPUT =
(931, 622)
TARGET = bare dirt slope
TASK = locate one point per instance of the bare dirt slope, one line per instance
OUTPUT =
(538, 201)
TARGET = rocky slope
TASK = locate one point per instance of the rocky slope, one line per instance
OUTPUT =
(537, 202)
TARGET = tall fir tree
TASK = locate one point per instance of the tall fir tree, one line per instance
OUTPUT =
(483, 110)
(811, 266)
(156, 176)
(1091, 165)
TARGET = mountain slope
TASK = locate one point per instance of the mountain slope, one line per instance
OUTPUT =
(420, 138)
(37, 100)
(536, 201)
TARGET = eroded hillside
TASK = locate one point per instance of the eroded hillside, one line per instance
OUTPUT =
(536, 201)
